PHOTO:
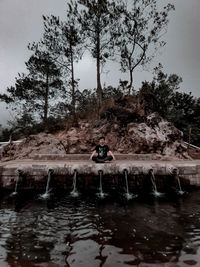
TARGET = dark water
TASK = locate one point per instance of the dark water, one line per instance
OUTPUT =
(64, 231)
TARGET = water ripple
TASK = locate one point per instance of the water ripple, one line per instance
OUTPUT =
(87, 232)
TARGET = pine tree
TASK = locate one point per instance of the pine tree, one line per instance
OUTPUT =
(140, 32)
(33, 92)
(63, 40)
(98, 19)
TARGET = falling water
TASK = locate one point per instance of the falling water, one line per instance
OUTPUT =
(46, 194)
(127, 194)
(74, 192)
(180, 191)
(101, 194)
(153, 180)
(16, 184)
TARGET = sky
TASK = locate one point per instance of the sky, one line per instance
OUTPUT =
(21, 23)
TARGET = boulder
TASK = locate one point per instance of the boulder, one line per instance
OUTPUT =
(125, 129)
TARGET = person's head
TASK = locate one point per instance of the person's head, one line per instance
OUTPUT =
(102, 140)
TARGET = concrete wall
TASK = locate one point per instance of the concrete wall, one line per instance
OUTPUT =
(38, 171)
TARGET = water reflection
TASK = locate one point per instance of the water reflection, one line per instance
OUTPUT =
(86, 231)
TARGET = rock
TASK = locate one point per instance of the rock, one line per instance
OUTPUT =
(126, 131)
(153, 119)
(73, 150)
(73, 140)
(83, 148)
(72, 131)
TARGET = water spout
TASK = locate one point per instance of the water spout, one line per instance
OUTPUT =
(153, 180)
(16, 183)
(176, 174)
(127, 194)
(74, 192)
(101, 194)
(47, 191)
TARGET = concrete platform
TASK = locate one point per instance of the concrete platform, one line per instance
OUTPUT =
(36, 169)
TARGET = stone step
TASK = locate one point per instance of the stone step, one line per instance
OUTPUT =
(71, 157)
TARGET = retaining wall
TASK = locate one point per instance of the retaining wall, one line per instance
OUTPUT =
(36, 169)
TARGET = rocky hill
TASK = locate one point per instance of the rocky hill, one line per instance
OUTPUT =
(127, 126)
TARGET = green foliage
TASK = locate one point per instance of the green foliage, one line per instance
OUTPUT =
(64, 40)
(140, 32)
(130, 32)
(110, 92)
(34, 93)
(25, 126)
(185, 114)
(87, 100)
(98, 19)
(5, 135)
(22, 126)
(86, 103)
(182, 109)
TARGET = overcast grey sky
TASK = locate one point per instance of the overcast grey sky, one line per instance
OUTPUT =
(21, 23)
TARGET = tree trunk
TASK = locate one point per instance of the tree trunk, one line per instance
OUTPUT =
(46, 102)
(131, 77)
(74, 122)
(99, 88)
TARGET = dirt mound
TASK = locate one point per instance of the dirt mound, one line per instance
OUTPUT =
(127, 124)
(125, 132)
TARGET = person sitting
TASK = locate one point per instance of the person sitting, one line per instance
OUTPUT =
(102, 149)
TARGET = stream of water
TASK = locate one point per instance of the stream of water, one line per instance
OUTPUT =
(88, 231)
